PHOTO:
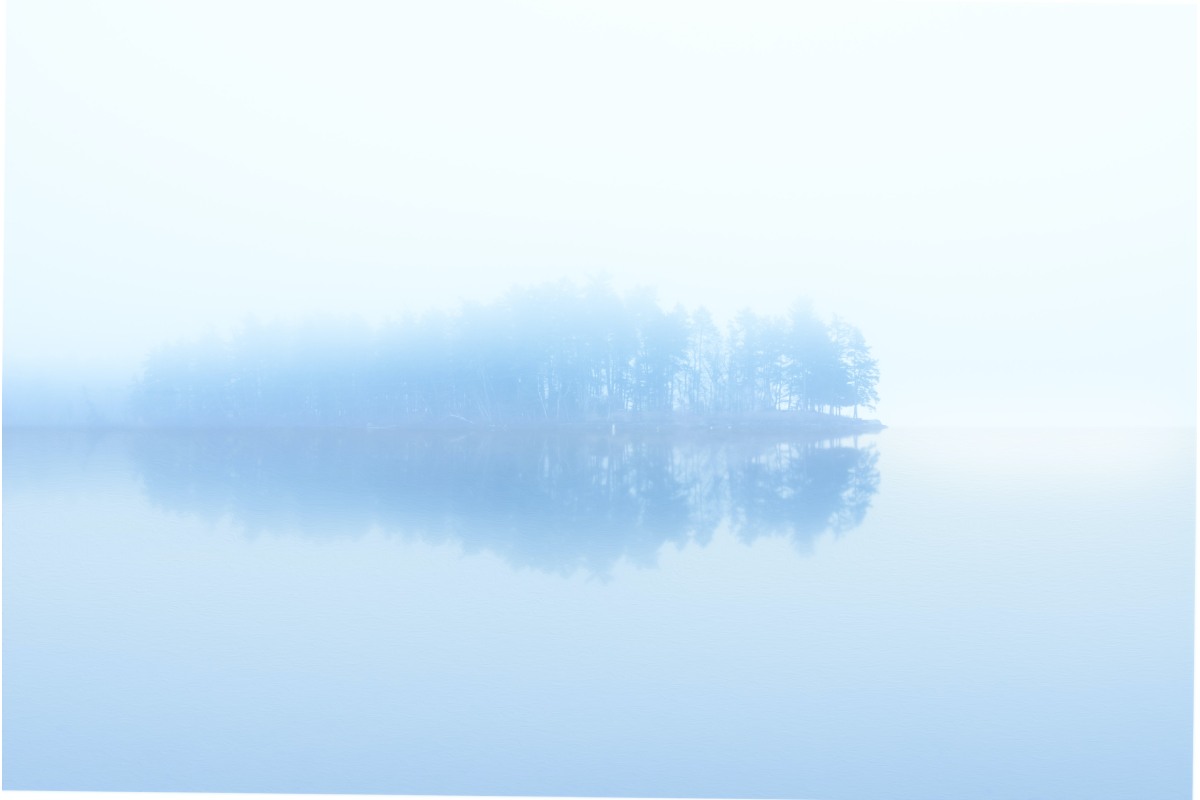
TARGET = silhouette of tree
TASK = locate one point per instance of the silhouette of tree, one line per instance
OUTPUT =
(862, 371)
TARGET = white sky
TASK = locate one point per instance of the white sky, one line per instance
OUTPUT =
(1003, 197)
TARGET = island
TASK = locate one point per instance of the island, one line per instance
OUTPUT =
(554, 356)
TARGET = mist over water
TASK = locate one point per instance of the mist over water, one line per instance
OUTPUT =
(1002, 231)
(487, 397)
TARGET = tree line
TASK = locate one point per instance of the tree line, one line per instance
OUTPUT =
(553, 353)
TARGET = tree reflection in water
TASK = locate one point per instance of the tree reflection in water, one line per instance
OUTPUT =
(558, 503)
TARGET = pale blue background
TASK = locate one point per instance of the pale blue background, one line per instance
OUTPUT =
(1002, 197)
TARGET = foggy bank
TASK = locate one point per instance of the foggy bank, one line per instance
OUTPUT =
(553, 356)
(550, 355)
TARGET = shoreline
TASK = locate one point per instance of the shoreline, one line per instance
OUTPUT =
(629, 422)
(794, 423)
(824, 425)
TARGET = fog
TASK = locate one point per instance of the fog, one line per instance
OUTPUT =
(1002, 198)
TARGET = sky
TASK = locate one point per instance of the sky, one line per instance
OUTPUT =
(1001, 196)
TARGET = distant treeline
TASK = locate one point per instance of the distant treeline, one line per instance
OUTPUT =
(555, 353)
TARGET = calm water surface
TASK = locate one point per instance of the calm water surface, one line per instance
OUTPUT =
(917, 614)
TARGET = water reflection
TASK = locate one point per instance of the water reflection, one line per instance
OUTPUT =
(559, 503)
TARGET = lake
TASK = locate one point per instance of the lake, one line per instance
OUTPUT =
(912, 614)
